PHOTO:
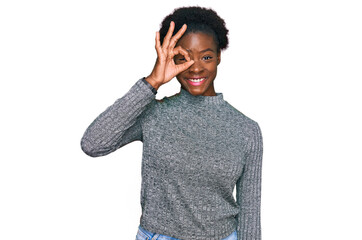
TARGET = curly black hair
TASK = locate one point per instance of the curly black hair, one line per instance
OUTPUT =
(198, 19)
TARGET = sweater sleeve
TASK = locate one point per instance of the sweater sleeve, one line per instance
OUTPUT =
(248, 190)
(120, 123)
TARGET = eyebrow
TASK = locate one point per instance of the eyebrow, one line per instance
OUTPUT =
(205, 50)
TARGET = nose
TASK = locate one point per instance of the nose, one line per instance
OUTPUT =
(196, 67)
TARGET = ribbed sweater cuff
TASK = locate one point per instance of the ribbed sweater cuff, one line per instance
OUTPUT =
(149, 85)
(142, 86)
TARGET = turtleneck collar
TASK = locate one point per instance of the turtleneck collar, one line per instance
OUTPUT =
(200, 100)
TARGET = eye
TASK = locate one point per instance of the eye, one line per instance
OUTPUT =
(207, 58)
(180, 58)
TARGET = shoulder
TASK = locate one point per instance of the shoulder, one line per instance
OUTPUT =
(244, 125)
(240, 117)
(167, 103)
(168, 99)
(158, 106)
(249, 129)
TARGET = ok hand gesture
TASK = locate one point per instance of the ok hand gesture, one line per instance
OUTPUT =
(165, 68)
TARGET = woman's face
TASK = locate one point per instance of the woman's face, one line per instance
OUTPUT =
(199, 78)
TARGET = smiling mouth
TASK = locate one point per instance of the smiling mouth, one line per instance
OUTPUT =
(196, 81)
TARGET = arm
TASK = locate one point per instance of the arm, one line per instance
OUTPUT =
(120, 123)
(248, 189)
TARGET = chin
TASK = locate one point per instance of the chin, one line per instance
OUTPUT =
(196, 92)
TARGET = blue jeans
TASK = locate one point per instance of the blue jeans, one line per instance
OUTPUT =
(143, 234)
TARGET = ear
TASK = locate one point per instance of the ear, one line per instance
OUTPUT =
(218, 58)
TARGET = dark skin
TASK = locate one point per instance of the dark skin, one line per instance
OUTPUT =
(202, 50)
(193, 56)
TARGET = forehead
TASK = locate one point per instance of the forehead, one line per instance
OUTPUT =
(196, 42)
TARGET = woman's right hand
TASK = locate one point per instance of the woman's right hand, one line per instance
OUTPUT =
(165, 68)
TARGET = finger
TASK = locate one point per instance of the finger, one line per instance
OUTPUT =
(177, 36)
(168, 36)
(182, 67)
(158, 44)
(182, 51)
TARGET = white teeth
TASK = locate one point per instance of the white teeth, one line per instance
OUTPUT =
(197, 80)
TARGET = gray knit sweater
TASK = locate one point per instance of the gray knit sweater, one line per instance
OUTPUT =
(195, 150)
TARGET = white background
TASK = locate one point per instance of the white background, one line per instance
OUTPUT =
(293, 66)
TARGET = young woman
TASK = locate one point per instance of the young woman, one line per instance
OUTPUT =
(196, 146)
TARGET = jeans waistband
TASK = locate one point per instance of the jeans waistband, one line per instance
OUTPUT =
(150, 235)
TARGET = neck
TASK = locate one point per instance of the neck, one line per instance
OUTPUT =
(200, 100)
(209, 92)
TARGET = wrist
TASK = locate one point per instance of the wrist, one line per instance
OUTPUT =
(152, 82)
(154, 90)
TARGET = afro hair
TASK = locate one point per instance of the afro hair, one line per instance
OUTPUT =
(197, 19)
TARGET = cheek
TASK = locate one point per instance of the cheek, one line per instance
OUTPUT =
(180, 75)
(212, 68)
